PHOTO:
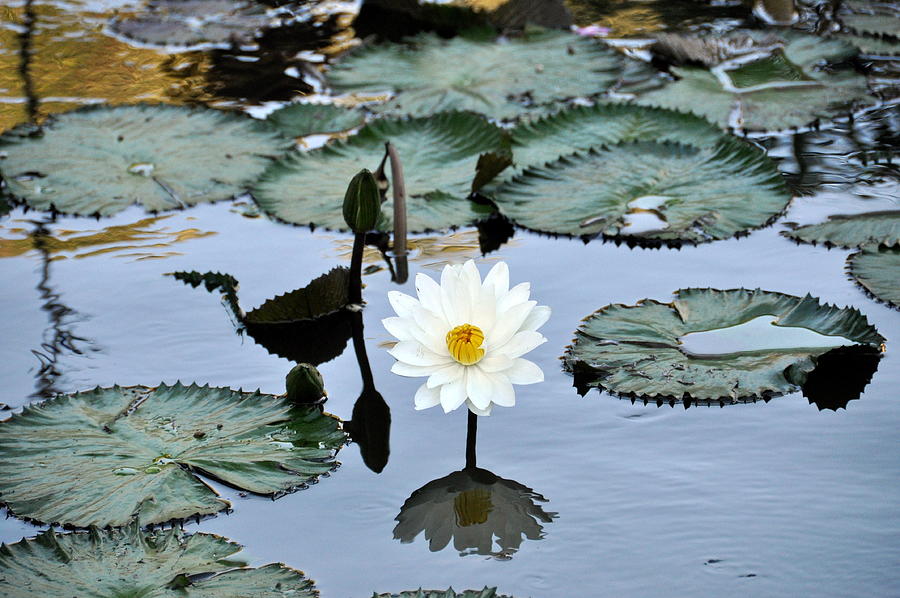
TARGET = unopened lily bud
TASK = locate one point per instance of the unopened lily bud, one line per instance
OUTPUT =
(304, 384)
(362, 202)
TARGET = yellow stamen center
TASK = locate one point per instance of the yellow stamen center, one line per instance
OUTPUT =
(464, 343)
(472, 507)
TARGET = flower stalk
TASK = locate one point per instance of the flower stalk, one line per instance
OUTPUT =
(399, 195)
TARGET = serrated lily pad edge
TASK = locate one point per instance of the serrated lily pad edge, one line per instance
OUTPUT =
(200, 477)
(574, 366)
(848, 268)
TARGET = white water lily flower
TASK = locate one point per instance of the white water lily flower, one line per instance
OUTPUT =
(468, 337)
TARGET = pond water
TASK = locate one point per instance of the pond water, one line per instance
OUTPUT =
(771, 498)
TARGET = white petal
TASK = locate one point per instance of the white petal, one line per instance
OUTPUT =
(453, 394)
(520, 344)
(454, 298)
(429, 293)
(516, 295)
(495, 363)
(504, 395)
(479, 387)
(412, 371)
(445, 375)
(524, 372)
(477, 411)
(484, 311)
(415, 353)
(402, 303)
(497, 280)
(537, 318)
(432, 330)
(470, 279)
(509, 322)
(398, 327)
(426, 397)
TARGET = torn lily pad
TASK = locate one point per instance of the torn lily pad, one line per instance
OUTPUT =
(420, 593)
(298, 120)
(189, 22)
(689, 194)
(439, 154)
(637, 351)
(500, 79)
(99, 161)
(789, 87)
(853, 230)
(877, 270)
(110, 455)
(129, 562)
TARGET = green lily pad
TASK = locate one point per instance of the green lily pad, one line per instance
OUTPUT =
(127, 562)
(498, 79)
(870, 17)
(698, 194)
(851, 231)
(879, 46)
(788, 88)
(439, 155)
(877, 270)
(635, 351)
(297, 120)
(108, 455)
(99, 161)
(420, 593)
(188, 22)
(584, 127)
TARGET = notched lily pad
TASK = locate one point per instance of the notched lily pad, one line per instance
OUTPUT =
(298, 120)
(850, 231)
(787, 88)
(685, 193)
(880, 19)
(635, 351)
(307, 325)
(500, 79)
(420, 593)
(877, 270)
(110, 455)
(440, 155)
(99, 161)
(129, 562)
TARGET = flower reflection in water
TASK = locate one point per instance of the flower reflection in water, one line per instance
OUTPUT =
(481, 512)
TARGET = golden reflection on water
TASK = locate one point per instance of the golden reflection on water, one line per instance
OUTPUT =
(141, 240)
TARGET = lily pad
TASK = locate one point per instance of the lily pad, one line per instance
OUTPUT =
(850, 231)
(129, 562)
(870, 17)
(584, 127)
(297, 120)
(696, 194)
(787, 88)
(110, 455)
(420, 593)
(500, 79)
(439, 155)
(636, 351)
(188, 22)
(877, 270)
(99, 161)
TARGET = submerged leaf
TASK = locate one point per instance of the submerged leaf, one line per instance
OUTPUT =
(696, 194)
(102, 160)
(108, 455)
(298, 120)
(854, 230)
(636, 351)
(877, 270)
(439, 156)
(499, 79)
(128, 562)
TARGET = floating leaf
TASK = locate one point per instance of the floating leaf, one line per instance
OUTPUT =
(877, 270)
(129, 562)
(420, 593)
(439, 156)
(636, 351)
(697, 194)
(499, 79)
(103, 160)
(854, 230)
(297, 120)
(870, 17)
(583, 127)
(477, 510)
(108, 455)
(213, 281)
(788, 88)
(188, 22)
